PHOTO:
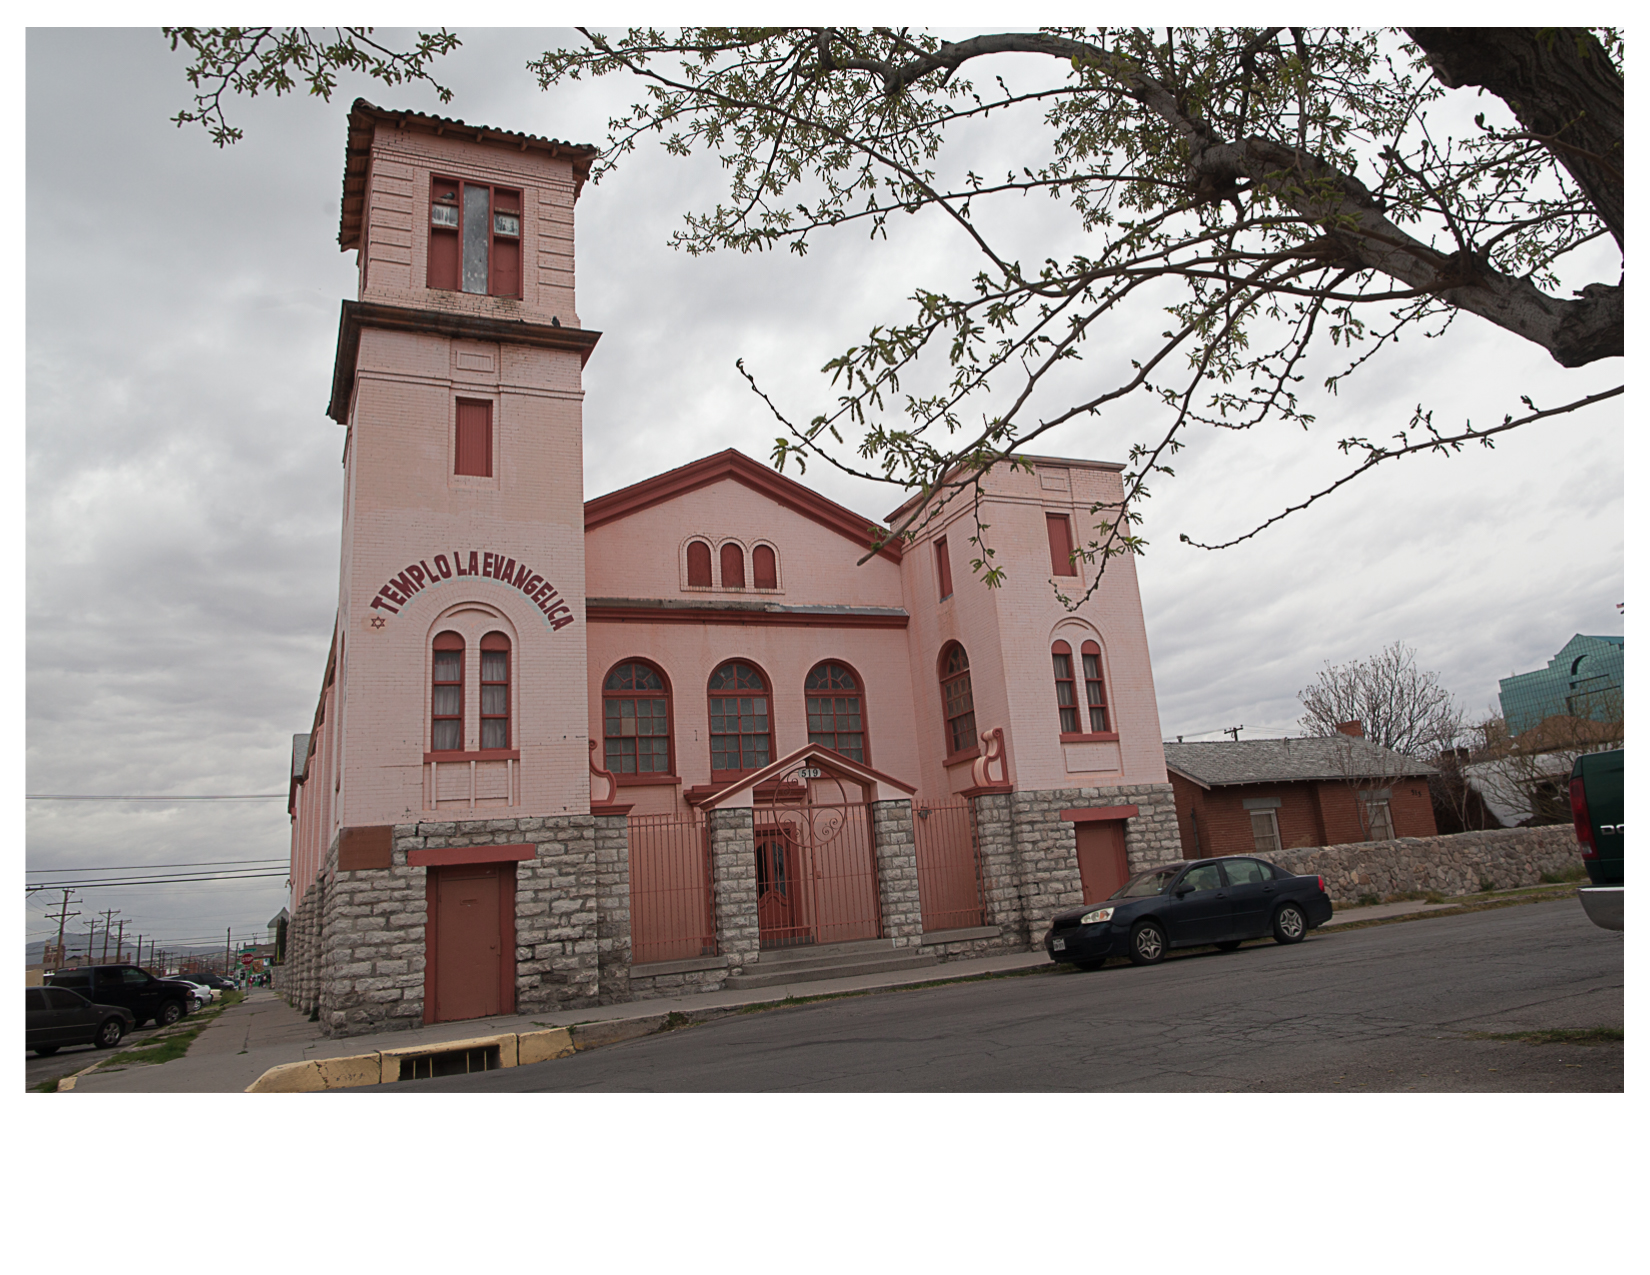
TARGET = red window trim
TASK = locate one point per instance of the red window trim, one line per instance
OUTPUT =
(668, 775)
(956, 759)
(1088, 737)
(1062, 546)
(942, 559)
(461, 454)
(734, 552)
(709, 581)
(474, 754)
(1056, 651)
(447, 641)
(945, 680)
(455, 236)
(493, 644)
(651, 779)
(1091, 647)
(729, 776)
(864, 715)
(772, 581)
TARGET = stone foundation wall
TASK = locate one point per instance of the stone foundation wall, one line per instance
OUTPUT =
(1454, 864)
(372, 946)
(896, 850)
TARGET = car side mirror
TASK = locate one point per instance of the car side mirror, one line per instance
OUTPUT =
(1181, 891)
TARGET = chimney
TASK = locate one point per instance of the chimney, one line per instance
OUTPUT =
(1355, 729)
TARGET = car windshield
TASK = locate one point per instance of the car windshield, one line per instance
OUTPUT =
(1147, 883)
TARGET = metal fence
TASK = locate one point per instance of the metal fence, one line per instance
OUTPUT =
(816, 875)
(948, 866)
(672, 912)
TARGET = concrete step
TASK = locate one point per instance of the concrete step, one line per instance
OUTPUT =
(809, 952)
(766, 975)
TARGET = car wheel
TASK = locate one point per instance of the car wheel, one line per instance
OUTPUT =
(169, 1013)
(1289, 925)
(45, 1051)
(1147, 943)
(1230, 945)
(109, 1033)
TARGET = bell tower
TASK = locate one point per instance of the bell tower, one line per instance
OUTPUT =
(460, 655)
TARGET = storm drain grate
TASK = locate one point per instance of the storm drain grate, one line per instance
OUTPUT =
(454, 1062)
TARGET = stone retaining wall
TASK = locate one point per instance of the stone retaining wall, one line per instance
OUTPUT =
(1454, 864)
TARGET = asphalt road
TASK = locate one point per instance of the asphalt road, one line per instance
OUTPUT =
(1392, 1007)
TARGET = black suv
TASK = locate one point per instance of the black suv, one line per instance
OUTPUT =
(137, 990)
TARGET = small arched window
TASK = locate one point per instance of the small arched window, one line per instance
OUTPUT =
(740, 734)
(836, 710)
(733, 566)
(495, 691)
(447, 694)
(636, 720)
(957, 694)
(1094, 689)
(765, 567)
(698, 566)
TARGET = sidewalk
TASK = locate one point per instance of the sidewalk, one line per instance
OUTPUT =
(264, 1031)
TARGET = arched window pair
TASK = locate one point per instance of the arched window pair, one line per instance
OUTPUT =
(636, 713)
(1083, 713)
(764, 564)
(447, 693)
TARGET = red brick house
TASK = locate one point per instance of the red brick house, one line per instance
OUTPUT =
(1258, 796)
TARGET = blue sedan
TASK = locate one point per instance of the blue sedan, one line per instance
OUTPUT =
(1211, 901)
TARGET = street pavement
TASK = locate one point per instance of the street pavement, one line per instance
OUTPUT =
(1393, 1007)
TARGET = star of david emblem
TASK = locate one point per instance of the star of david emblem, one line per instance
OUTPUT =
(377, 621)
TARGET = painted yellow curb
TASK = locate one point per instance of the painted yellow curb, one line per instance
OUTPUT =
(316, 1074)
(390, 1059)
(383, 1066)
(542, 1046)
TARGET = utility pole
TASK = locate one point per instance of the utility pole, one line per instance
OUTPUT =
(226, 946)
(1232, 731)
(108, 920)
(63, 916)
(120, 941)
(138, 959)
(91, 937)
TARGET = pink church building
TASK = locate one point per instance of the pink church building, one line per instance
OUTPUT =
(675, 738)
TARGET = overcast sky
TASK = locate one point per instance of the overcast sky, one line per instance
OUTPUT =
(183, 478)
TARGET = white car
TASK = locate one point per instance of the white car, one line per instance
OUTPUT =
(202, 994)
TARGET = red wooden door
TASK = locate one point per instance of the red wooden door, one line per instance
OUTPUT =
(470, 945)
(1101, 859)
(780, 918)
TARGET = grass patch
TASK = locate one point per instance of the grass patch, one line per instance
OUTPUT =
(1471, 903)
(1558, 1036)
(1575, 872)
(45, 1086)
(163, 1049)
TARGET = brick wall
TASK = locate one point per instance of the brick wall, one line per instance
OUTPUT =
(1311, 813)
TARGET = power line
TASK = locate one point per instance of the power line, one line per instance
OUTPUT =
(138, 867)
(126, 882)
(244, 796)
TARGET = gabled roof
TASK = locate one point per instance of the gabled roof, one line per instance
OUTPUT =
(1222, 763)
(829, 758)
(740, 468)
(363, 120)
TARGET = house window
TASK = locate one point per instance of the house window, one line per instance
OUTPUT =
(1264, 824)
(1065, 690)
(733, 566)
(495, 691)
(447, 694)
(698, 567)
(739, 730)
(836, 716)
(942, 564)
(1379, 819)
(473, 445)
(475, 238)
(765, 567)
(1094, 689)
(636, 716)
(957, 694)
(1060, 546)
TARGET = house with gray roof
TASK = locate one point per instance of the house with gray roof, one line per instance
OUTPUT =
(1259, 796)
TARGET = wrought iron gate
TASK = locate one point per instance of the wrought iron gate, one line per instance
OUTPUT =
(815, 863)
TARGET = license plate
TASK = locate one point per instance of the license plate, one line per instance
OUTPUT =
(1059, 945)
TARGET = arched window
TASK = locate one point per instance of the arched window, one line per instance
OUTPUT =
(739, 730)
(1095, 689)
(765, 567)
(447, 694)
(836, 713)
(957, 694)
(495, 691)
(733, 566)
(636, 719)
(1065, 690)
(698, 566)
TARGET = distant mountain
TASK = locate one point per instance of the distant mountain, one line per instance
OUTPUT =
(36, 951)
